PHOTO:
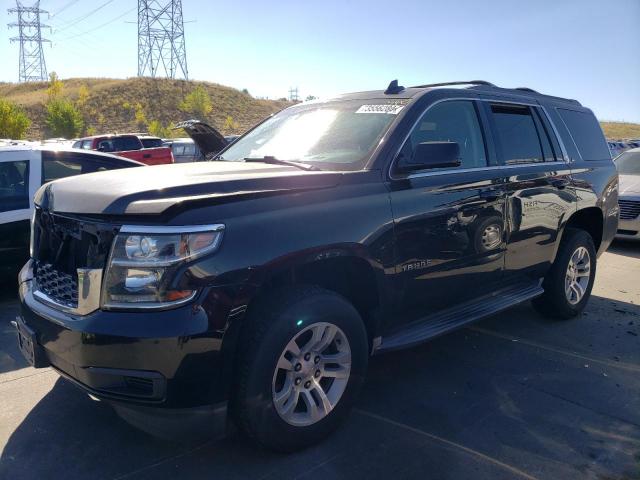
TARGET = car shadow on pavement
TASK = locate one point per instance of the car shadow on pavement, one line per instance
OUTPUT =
(515, 396)
(625, 247)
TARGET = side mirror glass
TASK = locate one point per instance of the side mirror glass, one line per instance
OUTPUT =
(428, 155)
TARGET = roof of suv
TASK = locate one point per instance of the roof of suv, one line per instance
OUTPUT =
(395, 91)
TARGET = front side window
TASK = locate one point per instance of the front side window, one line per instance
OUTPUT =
(451, 121)
(333, 135)
(14, 185)
(517, 134)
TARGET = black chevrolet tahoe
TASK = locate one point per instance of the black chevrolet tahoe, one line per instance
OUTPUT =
(255, 286)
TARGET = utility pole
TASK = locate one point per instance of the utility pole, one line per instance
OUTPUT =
(32, 67)
(293, 94)
(161, 45)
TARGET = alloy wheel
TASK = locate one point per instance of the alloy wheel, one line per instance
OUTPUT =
(578, 275)
(311, 374)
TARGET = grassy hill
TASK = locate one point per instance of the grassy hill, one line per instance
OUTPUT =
(117, 105)
(112, 104)
(616, 130)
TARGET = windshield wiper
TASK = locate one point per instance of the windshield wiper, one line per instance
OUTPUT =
(275, 161)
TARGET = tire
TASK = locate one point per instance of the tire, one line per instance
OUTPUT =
(266, 366)
(555, 301)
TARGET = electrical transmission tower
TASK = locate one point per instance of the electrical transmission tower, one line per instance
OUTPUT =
(32, 65)
(293, 94)
(161, 48)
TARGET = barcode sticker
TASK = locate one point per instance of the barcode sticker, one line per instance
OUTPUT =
(388, 108)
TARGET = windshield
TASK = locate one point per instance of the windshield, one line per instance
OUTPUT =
(338, 135)
(628, 163)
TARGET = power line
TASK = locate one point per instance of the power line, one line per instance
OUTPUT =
(83, 17)
(87, 32)
(64, 7)
(31, 64)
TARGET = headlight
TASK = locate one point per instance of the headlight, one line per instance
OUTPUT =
(143, 262)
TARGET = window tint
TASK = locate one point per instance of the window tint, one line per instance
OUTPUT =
(122, 144)
(586, 134)
(547, 150)
(451, 121)
(555, 144)
(517, 134)
(151, 142)
(14, 185)
(86, 145)
(59, 168)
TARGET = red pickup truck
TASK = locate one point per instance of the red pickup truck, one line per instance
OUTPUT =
(141, 148)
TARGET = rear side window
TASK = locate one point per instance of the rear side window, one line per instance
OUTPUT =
(151, 142)
(122, 144)
(518, 135)
(14, 185)
(586, 134)
(451, 121)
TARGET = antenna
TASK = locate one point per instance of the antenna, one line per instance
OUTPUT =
(31, 64)
(161, 45)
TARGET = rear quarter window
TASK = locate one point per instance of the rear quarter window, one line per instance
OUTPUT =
(586, 134)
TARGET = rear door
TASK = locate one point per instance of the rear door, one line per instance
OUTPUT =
(540, 195)
(449, 223)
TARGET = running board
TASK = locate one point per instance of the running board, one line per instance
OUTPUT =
(459, 316)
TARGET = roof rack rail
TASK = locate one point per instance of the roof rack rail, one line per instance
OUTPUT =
(444, 84)
(526, 89)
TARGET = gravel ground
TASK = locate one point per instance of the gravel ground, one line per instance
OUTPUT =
(514, 396)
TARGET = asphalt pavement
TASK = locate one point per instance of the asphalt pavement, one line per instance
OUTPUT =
(514, 396)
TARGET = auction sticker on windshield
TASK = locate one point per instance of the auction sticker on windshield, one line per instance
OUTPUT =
(388, 108)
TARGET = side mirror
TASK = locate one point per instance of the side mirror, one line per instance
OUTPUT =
(432, 155)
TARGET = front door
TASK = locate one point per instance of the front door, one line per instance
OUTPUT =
(449, 223)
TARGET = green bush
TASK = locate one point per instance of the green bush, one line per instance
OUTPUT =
(63, 118)
(14, 123)
(197, 102)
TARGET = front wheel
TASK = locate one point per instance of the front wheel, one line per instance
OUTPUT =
(303, 359)
(567, 285)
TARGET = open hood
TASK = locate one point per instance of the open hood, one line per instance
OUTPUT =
(208, 139)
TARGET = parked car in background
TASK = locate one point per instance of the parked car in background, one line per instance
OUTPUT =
(628, 165)
(184, 150)
(23, 169)
(129, 146)
(208, 140)
(258, 284)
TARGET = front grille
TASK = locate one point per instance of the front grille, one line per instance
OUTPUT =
(629, 209)
(60, 287)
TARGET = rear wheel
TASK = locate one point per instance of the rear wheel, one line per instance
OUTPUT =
(568, 284)
(303, 360)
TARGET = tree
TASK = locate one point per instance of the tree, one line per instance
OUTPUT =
(63, 118)
(310, 98)
(55, 86)
(230, 125)
(197, 102)
(83, 96)
(141, 118)
(157, 129)
(14, 123)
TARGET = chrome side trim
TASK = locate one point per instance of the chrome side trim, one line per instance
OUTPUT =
(456, 170)
(168, 229)
(478, 169)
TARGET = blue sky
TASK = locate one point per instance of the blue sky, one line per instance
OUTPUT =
(583, 49)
